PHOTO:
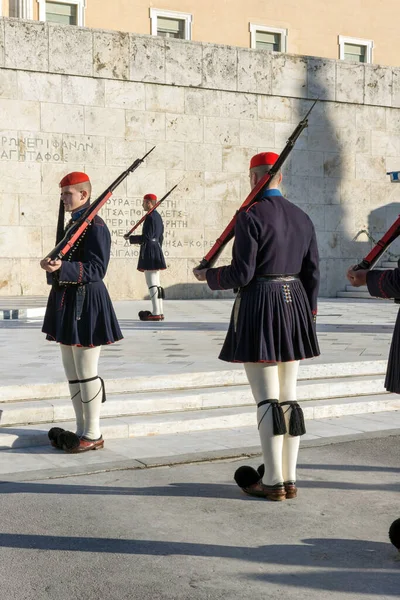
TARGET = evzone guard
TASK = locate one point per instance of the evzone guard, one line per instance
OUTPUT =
(151, 258)
(383, 284)
(79, 314)
(275, 266)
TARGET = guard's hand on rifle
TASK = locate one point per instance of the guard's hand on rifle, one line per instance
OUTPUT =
(50, 265)
(357, 278)
(200, 274)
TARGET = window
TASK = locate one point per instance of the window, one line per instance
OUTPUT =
(22, 9)
(356, 50)
(268, 38)
(58, 12)
(168, 23)
(65, 12)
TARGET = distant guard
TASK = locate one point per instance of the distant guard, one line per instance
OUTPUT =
(151, 258)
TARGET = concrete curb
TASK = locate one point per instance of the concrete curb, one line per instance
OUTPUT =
(233, 454)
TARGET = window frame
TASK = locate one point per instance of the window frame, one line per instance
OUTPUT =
(171, 14)
(368, 44)
(80, 10)
(253, 27)
(21, 10)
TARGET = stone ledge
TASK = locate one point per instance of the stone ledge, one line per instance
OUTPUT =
(115, 55)
(217, 419)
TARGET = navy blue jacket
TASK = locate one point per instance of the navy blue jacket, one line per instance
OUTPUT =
(153, 228)
(273, 237)
(384, 284)
(81, 276)
(151, 255)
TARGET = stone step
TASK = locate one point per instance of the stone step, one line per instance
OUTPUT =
(21, 313)
(22, 307)
(353, 294)
(200, 420)
(183, 381)
(60, 409)
(362, 288)
(389, 264)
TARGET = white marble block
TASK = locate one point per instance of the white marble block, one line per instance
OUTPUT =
(26, 45)
(70, 50)
(147, 59)
(183, 63)
(111, 54)
(219, 67)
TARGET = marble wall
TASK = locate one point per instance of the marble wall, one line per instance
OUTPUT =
(82, 99)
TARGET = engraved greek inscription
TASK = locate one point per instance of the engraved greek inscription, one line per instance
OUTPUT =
(176, 224)
(39, 149)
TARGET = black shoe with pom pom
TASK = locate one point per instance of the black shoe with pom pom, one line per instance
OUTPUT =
(248, 479)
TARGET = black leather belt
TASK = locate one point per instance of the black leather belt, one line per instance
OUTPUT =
(277, 277)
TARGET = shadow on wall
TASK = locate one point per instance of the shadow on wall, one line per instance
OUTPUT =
(379, 221)
(312, 179)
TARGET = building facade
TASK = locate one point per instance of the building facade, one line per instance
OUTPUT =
(354, 30)
(74, 98)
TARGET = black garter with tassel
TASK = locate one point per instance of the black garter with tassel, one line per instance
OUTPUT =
(278, 417)
(296, 421)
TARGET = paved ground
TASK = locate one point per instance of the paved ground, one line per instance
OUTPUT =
(190, 338)
(186, 532)
(22, 464)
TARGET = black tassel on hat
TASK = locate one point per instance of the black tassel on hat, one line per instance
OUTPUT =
(278, 418)
(60, 223)
(246, 476)
(296, 421)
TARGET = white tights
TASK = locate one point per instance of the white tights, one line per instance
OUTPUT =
(275, 381)
(81, 363)
(153, 283)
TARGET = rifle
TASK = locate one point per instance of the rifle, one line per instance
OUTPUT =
(388, 238)
(75, 232)
(229, 231)
(381, 246)
(150, 211)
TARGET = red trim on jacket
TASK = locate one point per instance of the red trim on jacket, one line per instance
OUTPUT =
(251, 206)
(380, 281)
(80, 276)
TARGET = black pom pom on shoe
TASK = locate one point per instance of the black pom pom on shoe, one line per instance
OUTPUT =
(246, 476)
(53, 434)
(68, 440)
(143, 314)
(394, 534)
(261, 470)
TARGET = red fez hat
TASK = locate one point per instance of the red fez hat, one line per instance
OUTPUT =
(150, 197)
(264, 158)
(73, 179)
